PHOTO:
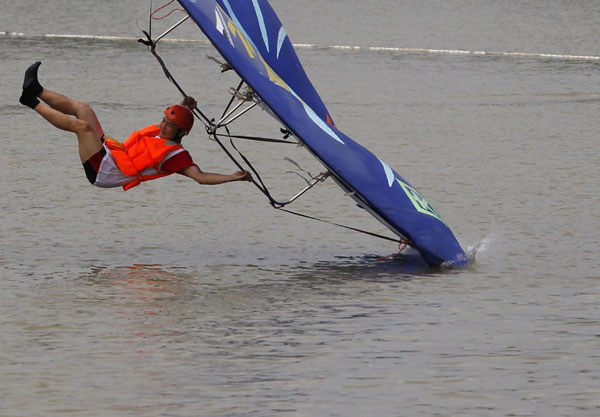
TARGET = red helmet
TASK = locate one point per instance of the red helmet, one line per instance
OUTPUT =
(181, 116)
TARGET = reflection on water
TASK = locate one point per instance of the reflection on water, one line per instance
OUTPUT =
(137, 277)
(368, 267)
(234, 339)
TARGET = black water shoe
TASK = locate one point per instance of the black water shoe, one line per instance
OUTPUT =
(31, 86)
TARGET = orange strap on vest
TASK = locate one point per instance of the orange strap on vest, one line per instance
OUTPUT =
(142, 149)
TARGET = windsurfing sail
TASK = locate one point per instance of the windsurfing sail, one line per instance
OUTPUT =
(250, 36)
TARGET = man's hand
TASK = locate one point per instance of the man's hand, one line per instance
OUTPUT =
(189, 102)
(242, 176)
(210, 178)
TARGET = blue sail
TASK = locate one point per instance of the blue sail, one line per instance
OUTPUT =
(249, 35)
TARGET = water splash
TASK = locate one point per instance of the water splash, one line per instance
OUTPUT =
(481, 246)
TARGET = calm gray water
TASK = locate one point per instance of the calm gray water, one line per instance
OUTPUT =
(179, 300)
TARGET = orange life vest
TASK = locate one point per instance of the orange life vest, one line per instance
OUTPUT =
(142, 150)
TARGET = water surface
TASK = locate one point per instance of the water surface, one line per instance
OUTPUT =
(179, 300)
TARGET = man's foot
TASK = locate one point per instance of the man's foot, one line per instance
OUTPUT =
(31, 86)
(31, 83)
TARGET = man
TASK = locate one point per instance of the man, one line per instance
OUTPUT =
(149, 153)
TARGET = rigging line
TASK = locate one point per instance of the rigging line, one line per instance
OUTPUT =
(262, 187)
(231, 99)
(230, 117)
(257, 179)
(170, 77)
(168, 14)
(172, 28)
(260, 139)
(401, 241)
(152, 46)
(259, 184)
(265, 190)
(228, 114)
(225, 66)
(150, 21)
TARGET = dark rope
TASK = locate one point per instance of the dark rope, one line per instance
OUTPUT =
(256, 179)
(167, 15)
(400, 241)
(231, 99)
(262, 187)
(152, 46)
(260, 139)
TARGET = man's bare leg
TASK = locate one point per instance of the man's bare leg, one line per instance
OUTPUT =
(59, 109)
(88, 135)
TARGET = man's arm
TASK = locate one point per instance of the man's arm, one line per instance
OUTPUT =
(209, 178)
